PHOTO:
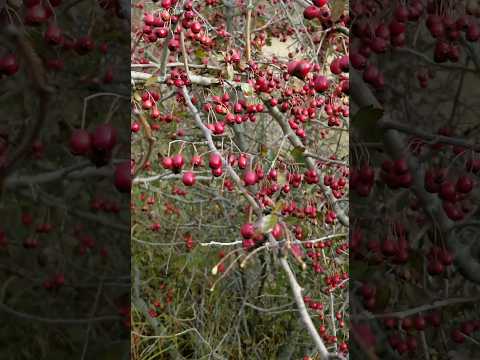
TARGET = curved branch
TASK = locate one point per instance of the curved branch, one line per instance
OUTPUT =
(295, 141)
(78, 171)
(151, 142)
(423, 308)
(391, 124)
(208, 136)
(305, 317)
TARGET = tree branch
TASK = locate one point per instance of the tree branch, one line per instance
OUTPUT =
(78, 171)
(305, 317)
(208, 136)
(295, 141)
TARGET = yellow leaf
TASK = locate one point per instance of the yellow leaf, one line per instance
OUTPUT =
(215, 270)
(151, 80)
(278, 206)
(263, 150)
(200, 53)
(137, 96)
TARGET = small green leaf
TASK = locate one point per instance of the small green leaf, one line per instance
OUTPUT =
(292, 220)
(247, 89)
(268, 222)
(298, 154)
(200, 53)
(253, 100)
(278, 206)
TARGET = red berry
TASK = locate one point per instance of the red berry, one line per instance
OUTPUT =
(84, 45)
(36, 15)
(247, 230)
(215, 161)
(277, 231)
(250, 178)
(321, 83)
(53, 35)
(311, 12)
(80, 142)
(9, 64)
(407, 324)
(167, 163)
(292, 65)
(197, 160)
(400, 166)
(188, 178)
(367, 290)
(457, 336)
(419, 323)
(435, 267)
(178, 161)
(135, 127)
(464, 184)
(448, 191)
(335, 66)
(217, 171)
(358, 61)
(196, 27)
(104, 138)
(123, 177)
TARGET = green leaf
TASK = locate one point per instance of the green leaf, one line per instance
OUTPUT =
(151, 80)
(268, 222)
(278, 206)
(200, 53)
(298, 154)
(253, 100)
(365, 122)
(247, 89)
(292, 220)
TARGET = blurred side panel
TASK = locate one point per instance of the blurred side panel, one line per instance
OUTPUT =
(65, 179)
(414, 250)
